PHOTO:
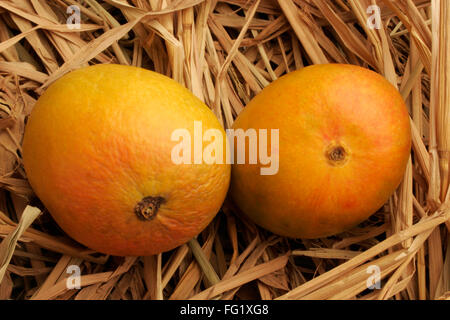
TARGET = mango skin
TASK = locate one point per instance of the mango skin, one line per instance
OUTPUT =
(316, 108)
(98, 141)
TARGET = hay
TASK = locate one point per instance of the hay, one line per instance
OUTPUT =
(225, 52)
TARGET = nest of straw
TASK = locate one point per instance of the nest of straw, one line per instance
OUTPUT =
(225, 52)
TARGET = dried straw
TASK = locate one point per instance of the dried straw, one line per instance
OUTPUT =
(225, 52)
